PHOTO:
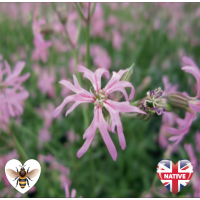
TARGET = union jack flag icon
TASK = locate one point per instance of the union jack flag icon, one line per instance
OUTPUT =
(175, 176)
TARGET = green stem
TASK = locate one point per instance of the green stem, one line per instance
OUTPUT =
(34, 136)
(93, 8)
(86, 124)
(79, 10)
(20, 150)
(92, 172)
(17, 144)
(88, 37)
(66, 33)
(86, 120)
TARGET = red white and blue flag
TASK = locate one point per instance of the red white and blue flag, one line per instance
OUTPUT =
(175, 176)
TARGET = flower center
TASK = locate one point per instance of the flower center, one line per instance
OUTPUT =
(99, 98)
(154, 101)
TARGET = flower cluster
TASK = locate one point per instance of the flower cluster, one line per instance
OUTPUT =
(183, 100)
(12, 94)
(41, 46)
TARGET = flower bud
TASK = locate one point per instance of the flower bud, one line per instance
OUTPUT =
(178, 99)
(63, 17)
(46, 29)
(128, 74)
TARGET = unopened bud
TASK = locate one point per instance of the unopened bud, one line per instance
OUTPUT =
(46, 29)
(63, 17)
(178, 99)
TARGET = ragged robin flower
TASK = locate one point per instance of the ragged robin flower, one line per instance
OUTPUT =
(101, 100)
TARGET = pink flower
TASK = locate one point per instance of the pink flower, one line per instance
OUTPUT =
(168, 87)
(117, 40)
(46, 114)
(41, 46)
(197, 139)
(73, 193)
(12, 94)
(45, 82)
(191, 67)
(44, 136)
(184, 127)
(194, 104)
(97, 21)
(100, 99)
(12, 78)
(54, 165)
(100, 57)
(190, 151)
(196, 187)
(73, 32)
(72, 136)
(3, 160)
(112, 21)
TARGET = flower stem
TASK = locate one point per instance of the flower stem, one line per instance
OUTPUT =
(18, 146)
(88, 37)
(87, 124)
(20, 150)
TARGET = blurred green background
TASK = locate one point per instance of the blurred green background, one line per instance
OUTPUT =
(159, 35)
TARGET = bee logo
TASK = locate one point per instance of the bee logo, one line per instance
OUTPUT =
(22, 176)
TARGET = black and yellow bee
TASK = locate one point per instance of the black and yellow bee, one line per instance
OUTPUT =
(22, 176)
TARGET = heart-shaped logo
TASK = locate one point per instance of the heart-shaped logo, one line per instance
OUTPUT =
(175, 176)
(22, 177)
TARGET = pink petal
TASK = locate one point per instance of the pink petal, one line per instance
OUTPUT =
(89, 134)
(7, 67)
(92, 128)
(73, 107)
(11, 111)
(88, 74)
(87, 142)
(66, 191)
(76, 97)
(120, 86)
(116, 121)
(115, 78)
(196, 73)
(23, 78)
(98, 73)
(106, 137)
(177, 131)
(70, 86)
(95, 78)
(123, 107)
(176, 138)
(76, 83)
(190, 151)
(168, 87)
(195, 108)
(188, 61)
(73, 193)
(16, 72)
